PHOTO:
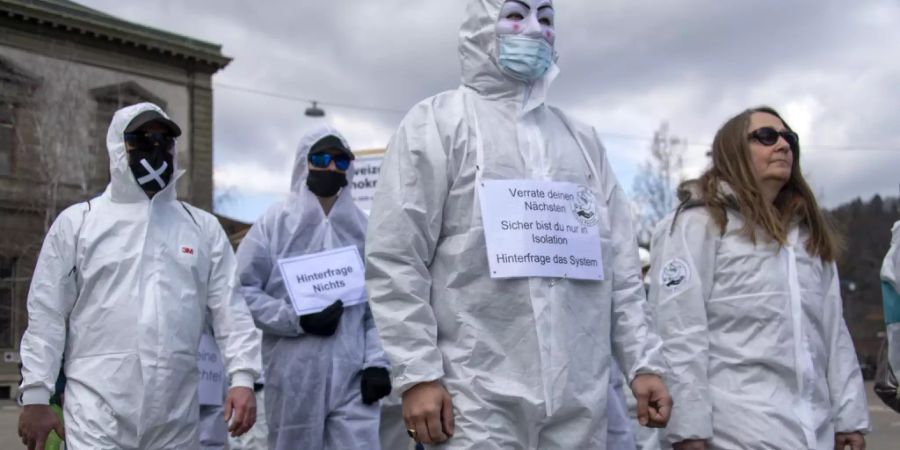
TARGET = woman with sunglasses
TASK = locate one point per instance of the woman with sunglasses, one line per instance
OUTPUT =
(325, 368)
(746, 298)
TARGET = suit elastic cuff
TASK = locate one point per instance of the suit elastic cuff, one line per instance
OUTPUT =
(689, 420)
(36, 396)
(243, 379)
(858, 428)
(404, 383)
(647, 371)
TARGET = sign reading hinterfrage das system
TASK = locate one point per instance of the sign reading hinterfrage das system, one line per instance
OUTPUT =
(541, 229)
(315, 281)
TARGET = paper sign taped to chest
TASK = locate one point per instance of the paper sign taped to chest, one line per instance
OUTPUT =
(315, 281)
(541, 229)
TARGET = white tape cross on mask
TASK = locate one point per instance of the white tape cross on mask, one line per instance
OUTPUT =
(153, 174)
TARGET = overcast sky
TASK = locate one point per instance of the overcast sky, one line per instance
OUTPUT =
(831, 67)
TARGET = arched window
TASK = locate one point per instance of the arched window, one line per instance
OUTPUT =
(16, 88)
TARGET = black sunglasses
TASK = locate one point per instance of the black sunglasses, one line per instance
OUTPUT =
(150, 141)
(322, 160)
(769, 136)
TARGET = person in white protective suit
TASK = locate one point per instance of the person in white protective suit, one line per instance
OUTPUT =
(644, 256)
(746, 298)
(121, 289)
(325, 370)
(620, 433)
(644, 438)
(518, 362)
(212, 430)
(890, 286)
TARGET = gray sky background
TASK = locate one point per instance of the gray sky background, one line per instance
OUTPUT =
(831, 67)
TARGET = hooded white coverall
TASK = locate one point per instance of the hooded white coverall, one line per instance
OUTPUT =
(121, 288)
(313, 397)
(890, 279)
(759, 354)
(526, 361)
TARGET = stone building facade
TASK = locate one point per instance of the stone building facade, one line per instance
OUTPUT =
(64, 70)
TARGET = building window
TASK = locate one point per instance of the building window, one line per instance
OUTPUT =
(7, 301)
(7, 140)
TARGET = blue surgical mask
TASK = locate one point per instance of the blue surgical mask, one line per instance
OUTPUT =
(525, 59)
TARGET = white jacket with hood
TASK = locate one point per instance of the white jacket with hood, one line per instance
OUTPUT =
(526, 361)
(890, 281)
(754, 335)
(120, 290)
(313, 397)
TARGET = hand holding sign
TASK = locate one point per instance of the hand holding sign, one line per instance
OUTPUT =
(323, 323)
(314, 281)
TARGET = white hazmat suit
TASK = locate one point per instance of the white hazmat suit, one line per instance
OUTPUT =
(313, 397)
(890, 278)
(754, 335)
(525, 360)
(121, 288)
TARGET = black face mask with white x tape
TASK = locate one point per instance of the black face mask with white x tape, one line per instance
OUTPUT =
(150, 159)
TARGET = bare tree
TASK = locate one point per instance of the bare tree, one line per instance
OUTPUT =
(63, 159)
(654, 186)
(54, 156)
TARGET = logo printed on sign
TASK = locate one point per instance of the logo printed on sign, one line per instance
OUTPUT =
(584, 207)
(675, 274)
(187, 250)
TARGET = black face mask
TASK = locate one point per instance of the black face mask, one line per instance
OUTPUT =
(160, 168)
(151, 160)
(325, 183)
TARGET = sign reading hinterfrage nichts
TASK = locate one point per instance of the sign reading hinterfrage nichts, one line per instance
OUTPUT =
(315, 281)
(541, 229)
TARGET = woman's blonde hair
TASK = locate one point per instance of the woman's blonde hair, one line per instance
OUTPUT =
(731, 164)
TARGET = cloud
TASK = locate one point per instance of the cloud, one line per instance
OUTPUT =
(830, 66)
(250, 178)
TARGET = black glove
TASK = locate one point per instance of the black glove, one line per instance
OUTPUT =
(325, 322)
(375, 384)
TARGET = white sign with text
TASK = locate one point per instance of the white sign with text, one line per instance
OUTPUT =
(315, 281)
(541, 229)
(366, 170)
(211, 390)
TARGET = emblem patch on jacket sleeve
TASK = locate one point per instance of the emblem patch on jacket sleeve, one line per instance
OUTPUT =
(675, 274)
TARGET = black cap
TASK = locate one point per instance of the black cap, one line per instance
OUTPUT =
(330, 143)
(152, 116)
